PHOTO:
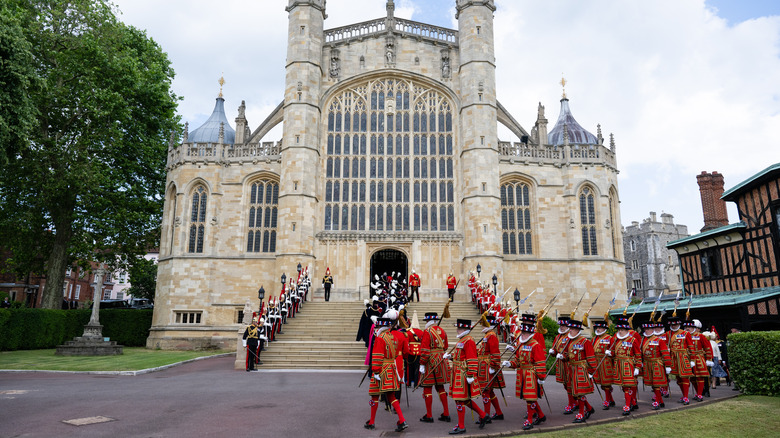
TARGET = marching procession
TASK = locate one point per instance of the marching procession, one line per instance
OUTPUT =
(469, 371)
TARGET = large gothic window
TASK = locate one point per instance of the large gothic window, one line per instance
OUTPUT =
(516, 218)
(588, 222)
(263, 202)
(198, 220)
(389, 159)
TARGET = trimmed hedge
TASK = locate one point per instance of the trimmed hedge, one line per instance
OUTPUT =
(32, 329)
(754, 361)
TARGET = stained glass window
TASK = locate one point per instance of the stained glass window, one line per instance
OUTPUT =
(516, 218)
(261, 227)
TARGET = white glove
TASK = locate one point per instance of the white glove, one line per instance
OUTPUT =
(709, 363)
(551, 351)
(541, 382)
(491, 371)
(422, 369)
(668, 370)
(636, 372)
(590, 376)
(243, 341)
(693, 364)
(470, 380)
(446, 356)
(608, 353)
(377, 377)
(506, 364)
(559, 356)
(510, 348)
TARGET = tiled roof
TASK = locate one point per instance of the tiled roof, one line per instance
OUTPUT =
(709, 233)
(733, 193)
(209, 131)
(577, 134)
(709, 300)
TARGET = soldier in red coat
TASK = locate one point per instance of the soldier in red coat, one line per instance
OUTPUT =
(656, 362)
(581, 361)
(434, 370)
(628, 363)
(489, 356)
(452, 283)
(561, 370)
(681, 348)
(529, 360)
(464, 384)
(701, 355)
(414, 283)
(604, 374)
(530, 318)
(385, 379)
(473, 286)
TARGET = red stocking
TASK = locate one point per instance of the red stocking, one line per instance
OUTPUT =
(444, 400)
(374, 403)
(428, 397)
(496, 405)
(396, 405)
(531, 412)
(461, 414)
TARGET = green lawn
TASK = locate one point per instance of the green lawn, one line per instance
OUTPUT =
(744, 416)
(133, 359)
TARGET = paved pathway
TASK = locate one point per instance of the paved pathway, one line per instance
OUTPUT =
(209, 398)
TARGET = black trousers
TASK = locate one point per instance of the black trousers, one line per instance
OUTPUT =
(327, 292)
(452, 294)
(415, 292)
(251, 353)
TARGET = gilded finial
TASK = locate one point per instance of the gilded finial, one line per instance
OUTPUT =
(221, 83)
(563, 85)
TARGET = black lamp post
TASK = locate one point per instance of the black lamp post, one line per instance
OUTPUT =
(495, 283)
(299, 269)
(284, 280)
(479, 270)
(261, 294)
(517, 301)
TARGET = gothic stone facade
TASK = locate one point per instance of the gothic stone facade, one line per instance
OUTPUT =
(389, 146)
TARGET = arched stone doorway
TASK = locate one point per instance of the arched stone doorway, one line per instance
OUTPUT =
(385, 261)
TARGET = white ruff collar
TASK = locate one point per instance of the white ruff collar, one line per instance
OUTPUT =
(624, 336)
(460, 335)
(562, 330)
(572, 337)
(430, 323)
(523, 341)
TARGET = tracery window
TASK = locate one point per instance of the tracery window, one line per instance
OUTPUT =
(588, 222)
(198, 220)
(263, 203)
(516, 218)
(389, 164)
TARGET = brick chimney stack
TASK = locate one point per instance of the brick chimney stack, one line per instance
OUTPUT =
(714, 208)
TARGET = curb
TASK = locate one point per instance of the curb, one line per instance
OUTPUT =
(121, 373)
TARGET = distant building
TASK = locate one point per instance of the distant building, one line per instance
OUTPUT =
(651, 268)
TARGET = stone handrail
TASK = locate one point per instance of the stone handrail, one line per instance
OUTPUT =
(401, 27)
(556, 155)
(356, 30)
(427, 31)
(223, 153)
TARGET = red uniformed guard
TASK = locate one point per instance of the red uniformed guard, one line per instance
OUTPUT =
(657, 363)
(464, 385)
(434, 343)
(385, 379)
(414, 334)
(414, 283)
(701, 355)
(529, 360)
(604, 374)
(628, 363)
(452, 283)
(489, 356)
(581, 361)
(530, 318)
(473, 286)
(680, 347)
(561, 370)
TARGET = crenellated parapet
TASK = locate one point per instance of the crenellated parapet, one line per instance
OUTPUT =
(402, 27)
(221, 153)
(564, 155)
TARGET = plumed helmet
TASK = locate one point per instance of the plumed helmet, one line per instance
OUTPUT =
(697, 323)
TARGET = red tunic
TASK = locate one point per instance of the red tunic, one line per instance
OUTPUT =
(383, 355)
(529, 359)
(401, 350)
(464, 365)
(451, 282)
(414, 280)
(655, 358)
(434, 342)
(681, 348)
(581, 361)
(489, 356)
(605, 373)
(415, 341)
(627, 355)
(701, 353)
(561, 370)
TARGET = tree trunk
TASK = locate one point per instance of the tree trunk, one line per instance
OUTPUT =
(55, 267)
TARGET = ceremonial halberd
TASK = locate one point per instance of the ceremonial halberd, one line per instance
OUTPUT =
(389, 160)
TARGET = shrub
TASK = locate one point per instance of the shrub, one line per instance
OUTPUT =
(755, 361)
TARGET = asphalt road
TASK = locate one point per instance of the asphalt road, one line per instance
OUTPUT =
(208, 398)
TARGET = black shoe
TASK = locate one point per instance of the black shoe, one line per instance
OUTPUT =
(447, 419)
(589, 412)
(528, 426)
(579, 420)
(483, 421)
(401, 427)
(497, 417)
(662, 404)
(486, 422)
(427, 419)
(247, 370)
(540, 420)
(635, 407)
(457, 431)
(369, 426)
(666, 395)
(612, 403)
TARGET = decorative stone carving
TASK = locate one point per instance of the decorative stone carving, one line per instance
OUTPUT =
(390, 107)
(177, 221)
(362, 61)
(390, 52)
(247, 313)
(242, 109)
(335, 64)
(214, 220)
(300, 86)
(186, 132)
(445, 64)
(540, 112)
(608, 224)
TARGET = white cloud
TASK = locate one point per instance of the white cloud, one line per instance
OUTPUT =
(682, 90)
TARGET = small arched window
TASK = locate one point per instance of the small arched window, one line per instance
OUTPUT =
(588, 222)
(263, 206)
(198, 220)
(517, 236)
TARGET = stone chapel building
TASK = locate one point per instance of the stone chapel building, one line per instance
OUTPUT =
(389, 161)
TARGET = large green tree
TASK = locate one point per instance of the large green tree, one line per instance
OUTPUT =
(143, 278)
(88, 183)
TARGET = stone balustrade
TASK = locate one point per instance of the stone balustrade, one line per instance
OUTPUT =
(402, 27)
(556, 155)
(223, 153)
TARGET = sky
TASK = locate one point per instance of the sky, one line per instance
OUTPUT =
(685, 86)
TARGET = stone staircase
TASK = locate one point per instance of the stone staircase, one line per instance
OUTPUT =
(322, 335)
